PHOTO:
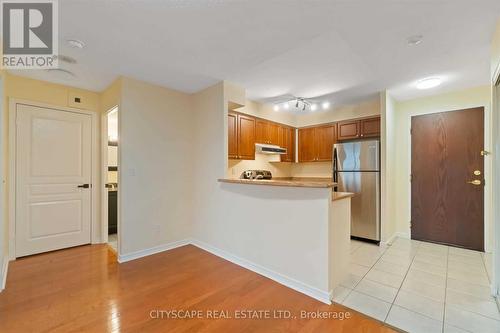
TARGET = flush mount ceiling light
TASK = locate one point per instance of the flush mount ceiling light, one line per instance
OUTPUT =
(429, 83)
(325, 105)
(314, 107)
(76, 43)
(414, 40)
(60, 73)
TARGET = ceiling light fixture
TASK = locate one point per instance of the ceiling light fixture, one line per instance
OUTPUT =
(414, 40)
(429, 83)
(301, 103)
(75, 43)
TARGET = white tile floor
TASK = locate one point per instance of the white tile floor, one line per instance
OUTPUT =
(421, 287)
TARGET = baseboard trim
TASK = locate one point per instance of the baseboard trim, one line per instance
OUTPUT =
(303, 288)
(396, 235)
(147, 252)
(322, 296)
(3, 273)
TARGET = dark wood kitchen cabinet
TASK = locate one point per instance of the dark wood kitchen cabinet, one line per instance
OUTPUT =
(307, 153)
(287, 140)
(348, 129)
(325, 138)
(232, 133)
(241, 136)
(316, 143)
(358, 128)
(267, 132)
(370, 127)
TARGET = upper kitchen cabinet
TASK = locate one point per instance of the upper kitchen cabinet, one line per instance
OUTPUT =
(316, 143)
(349, 129)
(267, 132)
(241, 136)
(325, 138)
(370, 127)
(232, 132)
(358, 128)
(307, 151)
(287, 140)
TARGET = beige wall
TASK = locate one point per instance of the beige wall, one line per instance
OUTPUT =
(3, 190)
(156, 162)
(388, 166)
(495, 73)
(479, 96)
(266, 111)
(261, 162)
(110, 97)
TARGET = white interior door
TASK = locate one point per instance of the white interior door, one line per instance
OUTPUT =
(53, 158)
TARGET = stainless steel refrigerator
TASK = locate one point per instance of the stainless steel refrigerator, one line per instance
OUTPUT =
(356, 169)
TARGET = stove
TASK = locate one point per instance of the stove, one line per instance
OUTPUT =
(256, 174)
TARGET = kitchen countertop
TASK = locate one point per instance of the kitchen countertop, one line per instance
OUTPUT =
(341, 195)
(282, 181)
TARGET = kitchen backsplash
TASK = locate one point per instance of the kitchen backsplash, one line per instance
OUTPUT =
(261, 162)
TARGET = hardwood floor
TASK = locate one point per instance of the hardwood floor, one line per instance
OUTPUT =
(84, 289)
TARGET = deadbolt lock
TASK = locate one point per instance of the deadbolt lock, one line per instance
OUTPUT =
(477, 172)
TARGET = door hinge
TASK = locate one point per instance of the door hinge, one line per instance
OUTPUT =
(410, 224)
(411, 131)
(411, 177)
(485, 153)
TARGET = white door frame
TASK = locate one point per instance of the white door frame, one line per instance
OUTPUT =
(104, 175)
(495, 111)
(94, 234)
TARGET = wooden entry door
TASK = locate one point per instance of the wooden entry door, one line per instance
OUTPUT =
(447, 171)
(53, 173)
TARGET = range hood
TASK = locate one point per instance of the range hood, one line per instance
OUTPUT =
(269, 149)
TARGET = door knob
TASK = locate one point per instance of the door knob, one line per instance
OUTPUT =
(474, 182)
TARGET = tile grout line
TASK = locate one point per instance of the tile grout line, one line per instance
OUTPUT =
(401, 285)
(445, 287)
(365, 273)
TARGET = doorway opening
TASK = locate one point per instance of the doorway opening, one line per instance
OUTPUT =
(110, 175)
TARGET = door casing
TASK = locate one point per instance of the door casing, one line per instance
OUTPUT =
(104, 177)
(95, 234)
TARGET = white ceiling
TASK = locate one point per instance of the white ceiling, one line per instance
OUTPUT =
(345, 50)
